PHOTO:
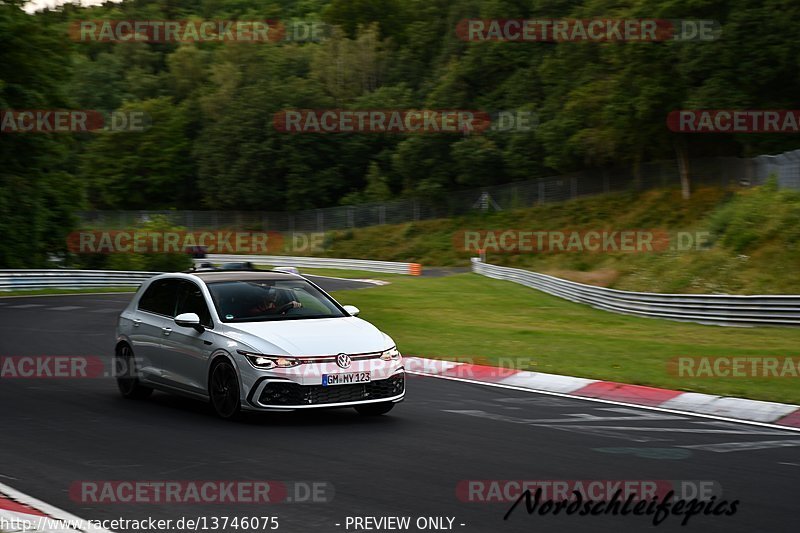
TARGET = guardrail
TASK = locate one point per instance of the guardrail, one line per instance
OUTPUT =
(390, 267)
(719, 309)
(12, 280)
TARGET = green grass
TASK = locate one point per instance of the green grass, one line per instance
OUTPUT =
(755, 240)
(470, 316)
(343, 273)
(49, 292)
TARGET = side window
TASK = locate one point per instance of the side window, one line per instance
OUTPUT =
(160, 297)
(191, 300)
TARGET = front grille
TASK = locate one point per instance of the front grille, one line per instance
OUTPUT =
(282, 393)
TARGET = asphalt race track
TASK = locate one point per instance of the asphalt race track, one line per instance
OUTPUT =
(409, 463)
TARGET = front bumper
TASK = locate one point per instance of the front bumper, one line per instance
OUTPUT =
(274, 393)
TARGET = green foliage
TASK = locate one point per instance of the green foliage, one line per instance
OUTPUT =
(753, 248)
(151, 262)
(39, 188)
(212, 142)
(754, 218)
(142, 169)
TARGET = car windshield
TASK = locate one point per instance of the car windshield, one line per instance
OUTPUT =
(270, 299)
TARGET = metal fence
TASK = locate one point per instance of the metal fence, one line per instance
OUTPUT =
(719, 171)
(719, 309)
(725, 310)
(390, 267)
(16, 280)
(785, 166)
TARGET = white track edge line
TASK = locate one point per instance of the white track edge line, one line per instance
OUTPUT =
(613, 402)
(361, 280)
(46, 508)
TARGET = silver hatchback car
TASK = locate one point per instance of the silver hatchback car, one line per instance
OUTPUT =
(254, 341)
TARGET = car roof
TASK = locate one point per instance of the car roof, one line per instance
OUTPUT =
(213, 276)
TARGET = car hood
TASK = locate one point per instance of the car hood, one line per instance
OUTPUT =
(320, 336)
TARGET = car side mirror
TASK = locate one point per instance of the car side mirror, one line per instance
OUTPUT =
(189, 320)
(352, 310)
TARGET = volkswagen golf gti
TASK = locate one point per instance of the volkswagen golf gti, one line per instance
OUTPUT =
(254, 341)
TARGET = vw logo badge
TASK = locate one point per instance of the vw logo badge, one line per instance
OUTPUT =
(343, 360)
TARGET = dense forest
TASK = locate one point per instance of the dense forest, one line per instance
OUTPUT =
(211, 142)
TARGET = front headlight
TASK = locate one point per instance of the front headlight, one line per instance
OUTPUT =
(392, 354)
(269, 361)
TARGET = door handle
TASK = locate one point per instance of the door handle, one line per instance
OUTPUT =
(136, 322)
(166, 331)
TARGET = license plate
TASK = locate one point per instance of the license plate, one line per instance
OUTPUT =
(345, 379)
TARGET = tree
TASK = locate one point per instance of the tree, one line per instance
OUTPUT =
(39, 190)
(348, 68)
(150, 169)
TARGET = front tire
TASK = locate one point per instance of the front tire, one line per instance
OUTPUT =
(224, 390)
(374, 409)
(129, 385)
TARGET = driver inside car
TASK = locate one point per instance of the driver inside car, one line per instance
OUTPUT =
(275, 302)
